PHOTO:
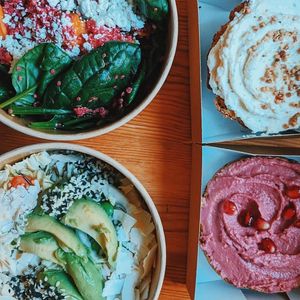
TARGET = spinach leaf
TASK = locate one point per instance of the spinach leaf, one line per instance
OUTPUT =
(36, 69)
(153, 51)
(24, 98)
(54, 61)
(39, 65)
(79, 124)
(27, 70)
(154, 10)
(96, 79)
(54, 123)
(29, 110)
(6, 89)
(136, 84)
(66, 122)
(5, 92)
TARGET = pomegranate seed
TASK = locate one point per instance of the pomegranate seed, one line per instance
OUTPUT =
(229, 208)
(293, 192)
(129, 90)
(268, 246)
(261, 224)
(297, 224)
(248, 219)
(288, 213)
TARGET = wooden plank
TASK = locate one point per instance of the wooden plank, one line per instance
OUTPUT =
(156, 147)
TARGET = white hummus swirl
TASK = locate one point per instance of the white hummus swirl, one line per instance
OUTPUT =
(255, 66)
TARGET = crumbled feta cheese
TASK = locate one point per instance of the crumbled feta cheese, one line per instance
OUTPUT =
(42, 33)
(7, 19)
(74, 51)
(53, 3)
(87, 46)
(68, 5)
(16, 47)
(66, 21)
(111, 13)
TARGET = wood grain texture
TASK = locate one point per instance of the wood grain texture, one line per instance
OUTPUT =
(284, 142)
(156, 147)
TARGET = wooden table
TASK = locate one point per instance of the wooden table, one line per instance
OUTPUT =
(156, 147)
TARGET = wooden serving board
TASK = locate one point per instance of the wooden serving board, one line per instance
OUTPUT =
(157, 147)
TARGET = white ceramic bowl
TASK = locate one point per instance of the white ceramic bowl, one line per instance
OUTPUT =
(160, 267)
(20, 124)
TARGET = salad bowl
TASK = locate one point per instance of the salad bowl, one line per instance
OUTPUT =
(125, 86)
(26, 159)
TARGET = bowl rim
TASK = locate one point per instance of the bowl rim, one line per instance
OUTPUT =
(25, 151)
(174, 25)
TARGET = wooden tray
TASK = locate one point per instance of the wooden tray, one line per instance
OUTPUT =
(157, 147)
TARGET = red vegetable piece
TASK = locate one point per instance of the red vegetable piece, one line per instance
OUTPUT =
(21, 180)
(293, 192)
(288, 213)
(229, 208)
(261, 224)
(268, 246)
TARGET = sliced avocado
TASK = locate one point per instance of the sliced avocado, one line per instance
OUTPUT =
(108, 207)
(65, 236)
(84, 273)
(91, 218)
(62, 282)
(40, 243)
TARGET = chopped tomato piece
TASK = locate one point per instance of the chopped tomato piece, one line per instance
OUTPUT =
(3, 29)
(146, 31)
(5, 57)
(21, 180)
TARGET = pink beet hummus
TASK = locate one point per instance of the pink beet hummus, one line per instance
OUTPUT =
(250, 224)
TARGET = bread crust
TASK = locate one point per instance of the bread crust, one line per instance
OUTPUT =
(203, 199)
(219, 101)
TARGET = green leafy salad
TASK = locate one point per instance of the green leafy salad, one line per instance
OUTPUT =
(94, 75)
